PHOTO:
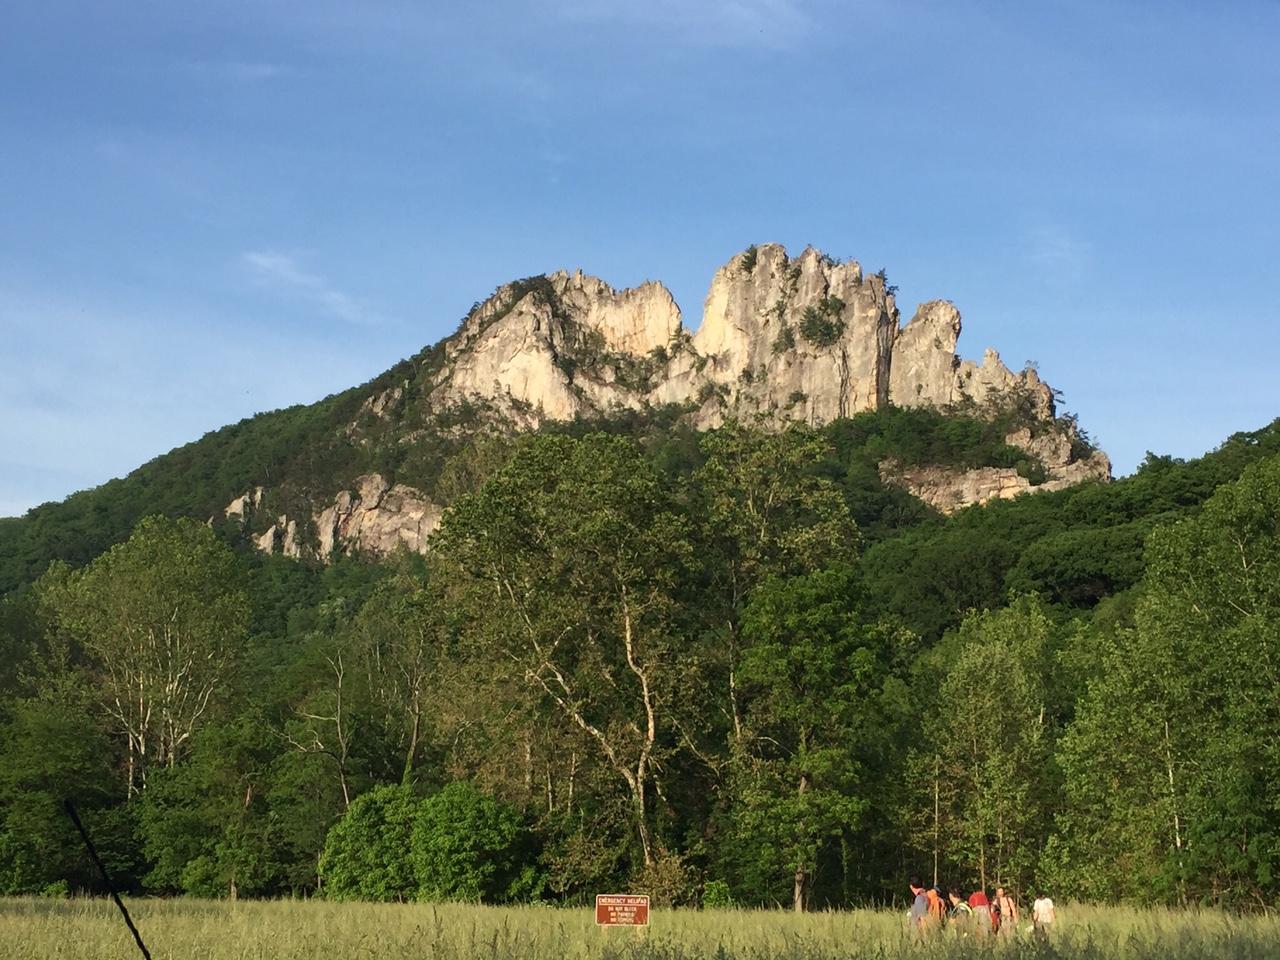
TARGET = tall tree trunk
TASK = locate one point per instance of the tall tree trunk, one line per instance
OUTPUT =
(642, 773)
(982, 825)
(132, 785)
(642, 823)
(936, 818)
(800, 890)
(411, 754)
(346, 789)
(733, 687)
(1000, 844)
(1177, 821)
(528, 768)
(341, 732)
(637, 772)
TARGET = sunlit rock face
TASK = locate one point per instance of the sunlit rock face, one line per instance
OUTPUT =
(782, 338)
(804, 337)
(377, 518)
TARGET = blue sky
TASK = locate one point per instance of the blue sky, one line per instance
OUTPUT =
(212, 209)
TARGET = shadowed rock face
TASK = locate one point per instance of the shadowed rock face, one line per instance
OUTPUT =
(782, 338)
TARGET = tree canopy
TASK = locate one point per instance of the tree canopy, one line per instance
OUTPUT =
(730, 666)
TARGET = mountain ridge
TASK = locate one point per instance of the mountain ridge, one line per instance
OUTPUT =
(772, 326)
(782, 339)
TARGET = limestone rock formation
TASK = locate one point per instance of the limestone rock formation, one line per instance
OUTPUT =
(806, 338)
(241, 506)
(283, 534)
(949, 489)
(376, 517)
(926, 372)
(557, 347)
(782, 338)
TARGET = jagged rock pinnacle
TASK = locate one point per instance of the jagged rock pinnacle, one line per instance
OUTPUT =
(782, 338)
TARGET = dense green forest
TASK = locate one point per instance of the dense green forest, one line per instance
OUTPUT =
(728, 666)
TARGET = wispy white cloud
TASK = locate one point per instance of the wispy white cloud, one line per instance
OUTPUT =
(283, 273)
(715, 23)
(1057, 253)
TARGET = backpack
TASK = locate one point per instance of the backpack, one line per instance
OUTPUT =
(937, 904)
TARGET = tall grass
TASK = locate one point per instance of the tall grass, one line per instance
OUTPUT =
(282, 930)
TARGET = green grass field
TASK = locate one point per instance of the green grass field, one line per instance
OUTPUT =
(33, 929)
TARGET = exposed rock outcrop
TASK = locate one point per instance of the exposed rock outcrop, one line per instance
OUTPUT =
(782, 338)
(557, 347)
(241, 506)
(806, 338)
(281, 535)
(376, 517)
(926, 372)
(948, 489)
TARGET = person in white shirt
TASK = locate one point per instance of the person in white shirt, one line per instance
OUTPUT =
(1042, 916)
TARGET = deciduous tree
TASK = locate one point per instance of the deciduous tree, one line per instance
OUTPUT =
(811, 675)
(161, 616)
(574, 550)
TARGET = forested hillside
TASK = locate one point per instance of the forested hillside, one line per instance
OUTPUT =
(722, 665)
(303, 443)
(303, 453)
(806, 339)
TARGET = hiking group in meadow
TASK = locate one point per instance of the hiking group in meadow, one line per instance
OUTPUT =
(932, 911)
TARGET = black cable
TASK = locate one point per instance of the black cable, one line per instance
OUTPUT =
(102, 868)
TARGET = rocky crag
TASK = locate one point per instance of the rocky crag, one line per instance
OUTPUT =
(782, 338)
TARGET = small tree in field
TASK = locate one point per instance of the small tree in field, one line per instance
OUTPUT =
(366, 854)
(469, 846)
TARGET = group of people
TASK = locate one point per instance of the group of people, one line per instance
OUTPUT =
(975, 915)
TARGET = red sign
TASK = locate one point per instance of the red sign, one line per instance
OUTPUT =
(622, 910)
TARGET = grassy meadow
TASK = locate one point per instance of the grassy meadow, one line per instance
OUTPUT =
(32, 929)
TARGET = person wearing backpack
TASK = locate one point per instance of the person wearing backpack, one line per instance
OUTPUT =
(937, 908)
(1007, 911)
(918, 917)
(983, 921)
(961, 917)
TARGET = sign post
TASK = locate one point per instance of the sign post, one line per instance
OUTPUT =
(622, 910)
